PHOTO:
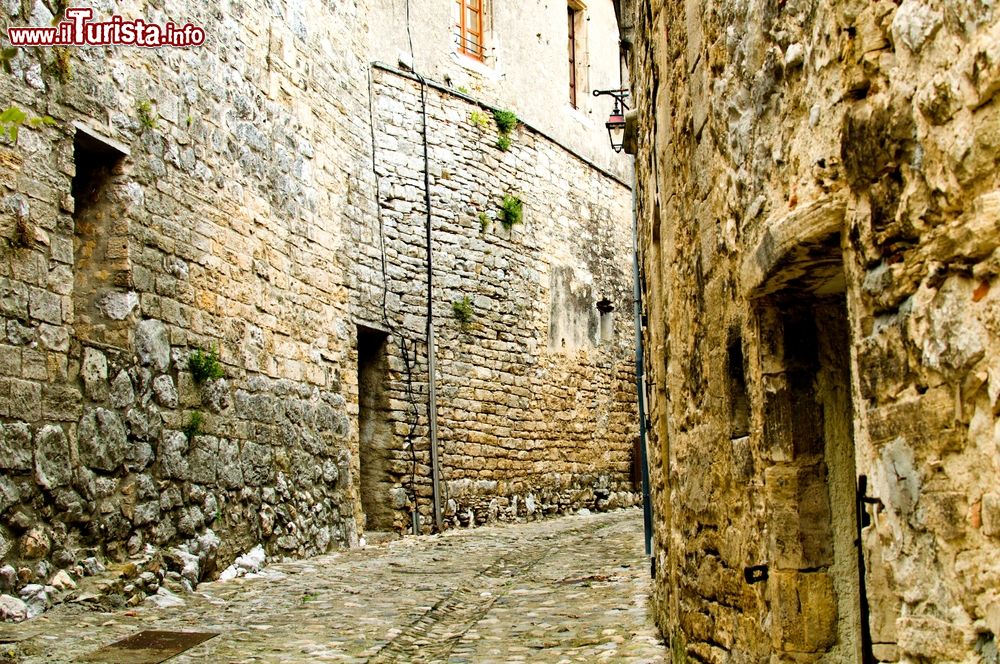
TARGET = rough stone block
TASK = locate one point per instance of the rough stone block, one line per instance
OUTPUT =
(34, 364)
(164, 391)
(54, 337)
(172, 456)
(991, 514)
(61, 402)
(121, 392)
(53, 460)
(9, 495)
(932, 638)
(798, 502)
(45, 306)
(215, 395)
(152, 344)
(34, 544)
(804, 609)
(145, 513)
(16, 450)
(94, 371)
(10, 361)
(255, 461)
(25, 401)
(13, 298)
(230, 471)
(138, 456)
(203, 459)
(101, 440)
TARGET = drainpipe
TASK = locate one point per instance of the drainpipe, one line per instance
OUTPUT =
(432, 419)
(431, 353)
(640, 380)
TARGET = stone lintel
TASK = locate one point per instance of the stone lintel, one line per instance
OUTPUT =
(98, 142)
(803, 242)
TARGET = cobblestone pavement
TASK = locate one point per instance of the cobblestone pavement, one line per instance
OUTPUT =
(571, 589)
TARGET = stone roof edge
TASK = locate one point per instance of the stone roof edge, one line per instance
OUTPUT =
(472, 100)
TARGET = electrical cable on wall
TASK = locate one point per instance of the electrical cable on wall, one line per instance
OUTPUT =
(414, 411)
(431, 417)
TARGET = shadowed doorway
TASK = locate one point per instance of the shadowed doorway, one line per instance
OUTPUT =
(374, 429)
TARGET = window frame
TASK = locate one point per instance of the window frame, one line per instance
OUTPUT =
(465, 34)
(571, 31)
(578, 60)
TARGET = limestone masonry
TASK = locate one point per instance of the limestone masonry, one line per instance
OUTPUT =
(213, 293)
(819, 218)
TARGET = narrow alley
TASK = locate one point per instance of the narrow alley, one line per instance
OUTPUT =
(572, 589)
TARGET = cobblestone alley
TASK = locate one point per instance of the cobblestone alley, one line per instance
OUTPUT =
(567, 590)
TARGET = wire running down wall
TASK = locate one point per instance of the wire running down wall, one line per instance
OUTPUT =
(528, 424)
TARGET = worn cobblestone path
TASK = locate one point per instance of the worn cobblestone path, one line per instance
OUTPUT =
(571, 589)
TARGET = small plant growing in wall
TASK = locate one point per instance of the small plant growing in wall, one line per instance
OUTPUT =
(61, 65)
(511, 211)
(462, 308)
(479, 119)
(194, 425)
(12, 119)
(484, 222)
(205, 365)
(6, 56)
(506, 122)
(147, 116)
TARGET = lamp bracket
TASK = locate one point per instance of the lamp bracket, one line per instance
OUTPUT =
(619, 95)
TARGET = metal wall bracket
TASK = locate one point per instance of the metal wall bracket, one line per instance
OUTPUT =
(755, 574)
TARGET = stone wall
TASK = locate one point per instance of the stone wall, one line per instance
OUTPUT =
(222, 229)
(817, 195)
(222, 199)
(536, 411)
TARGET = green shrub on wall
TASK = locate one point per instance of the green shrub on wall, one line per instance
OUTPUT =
(511, 211)
(205, 365)
(462, 308)
(506, 121)
(193, 427)
(147, 116)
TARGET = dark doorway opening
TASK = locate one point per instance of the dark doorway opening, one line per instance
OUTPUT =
(811, 493)
(375, 430)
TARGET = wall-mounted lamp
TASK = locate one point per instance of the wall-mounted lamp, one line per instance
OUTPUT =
(616, 121)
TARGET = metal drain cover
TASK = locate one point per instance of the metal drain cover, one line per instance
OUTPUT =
(148, 647)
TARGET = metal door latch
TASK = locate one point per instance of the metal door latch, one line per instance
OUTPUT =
(864, 519)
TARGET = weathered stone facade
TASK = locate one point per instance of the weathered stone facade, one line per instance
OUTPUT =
(224, 197)
(536, 405)
(819, 223)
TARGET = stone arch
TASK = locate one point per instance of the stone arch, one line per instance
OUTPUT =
(794, 277)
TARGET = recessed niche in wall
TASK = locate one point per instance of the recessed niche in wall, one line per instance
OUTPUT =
(102, 290)
(607, 319)
(739, 403)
